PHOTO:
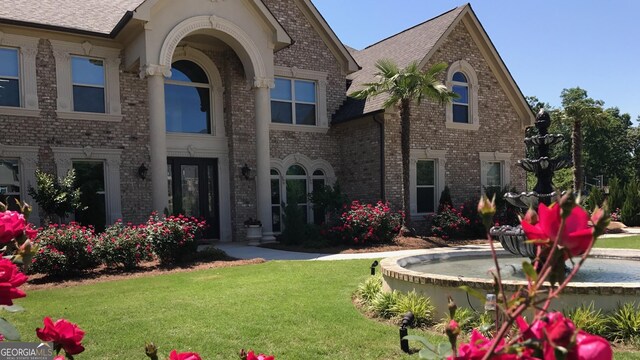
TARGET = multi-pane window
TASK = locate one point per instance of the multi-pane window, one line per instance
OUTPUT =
(188, 99)
(294, 102)
(9, 183)
(460, 86)
(296, 181)
(9, 77)
(494, 174)
(426, 186)
(88, 79)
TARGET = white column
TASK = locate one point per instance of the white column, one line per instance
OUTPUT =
(263, 178)
(158, 135)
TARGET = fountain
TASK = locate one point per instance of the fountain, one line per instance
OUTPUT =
(513, 238)
(611, 276)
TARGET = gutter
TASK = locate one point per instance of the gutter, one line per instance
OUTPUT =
(380, 120)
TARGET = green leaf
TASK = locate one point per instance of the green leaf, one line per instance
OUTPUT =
(473, 292)
(8, 330)
(427, 354)
(444, 349)
(529, 271)
(420, 339)
(13, 308)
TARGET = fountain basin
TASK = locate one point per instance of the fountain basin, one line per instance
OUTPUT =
(397, 275)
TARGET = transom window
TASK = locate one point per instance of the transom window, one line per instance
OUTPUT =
(87, 76)
(9, 77)
(294, 102)
(9, 183)
(426, 186)
(460, 86)
(188, 99)
(494, 174)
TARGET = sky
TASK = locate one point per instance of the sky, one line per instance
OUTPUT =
(547, 45)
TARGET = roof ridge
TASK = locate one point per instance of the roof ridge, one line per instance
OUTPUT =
(414, 26)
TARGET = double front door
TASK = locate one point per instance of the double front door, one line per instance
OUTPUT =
(193, 190)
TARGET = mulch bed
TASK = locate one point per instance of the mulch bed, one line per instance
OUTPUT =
(399, 243)
(152, 268)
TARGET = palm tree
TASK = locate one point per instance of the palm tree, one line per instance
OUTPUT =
(405, 86)
(579, 108)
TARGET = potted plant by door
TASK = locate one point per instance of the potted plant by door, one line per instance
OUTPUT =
(254, 231)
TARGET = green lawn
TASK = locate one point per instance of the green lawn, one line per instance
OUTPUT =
(293, 309)
(627, 242)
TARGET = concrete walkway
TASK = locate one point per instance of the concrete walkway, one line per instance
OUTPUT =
(241, 250)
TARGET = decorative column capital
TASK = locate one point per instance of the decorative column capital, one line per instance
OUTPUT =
(154, 70)
(263, 83)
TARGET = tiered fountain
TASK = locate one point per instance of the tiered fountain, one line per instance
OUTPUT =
(513, 238)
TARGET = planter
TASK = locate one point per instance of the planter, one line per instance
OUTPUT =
(254, 234)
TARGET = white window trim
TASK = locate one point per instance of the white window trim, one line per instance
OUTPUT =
(27, 52)
(309, 166)
(215, 90)
(320, 78)
(472, 84)
(62, 52)
(64, 157)
(28, 163)
(440, 158)
(488, 157)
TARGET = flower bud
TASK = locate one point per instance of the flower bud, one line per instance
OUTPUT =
(151, 350)
(600, 219)
(486, 210)
(531, 216)
(567, 202)
(452, 307)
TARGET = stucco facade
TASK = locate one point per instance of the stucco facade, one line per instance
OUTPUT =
(247, 160)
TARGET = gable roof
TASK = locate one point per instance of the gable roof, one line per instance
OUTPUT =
(418, 43)
(96, 17)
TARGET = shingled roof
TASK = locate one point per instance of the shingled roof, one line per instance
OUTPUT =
(93, 16)
(403, 48)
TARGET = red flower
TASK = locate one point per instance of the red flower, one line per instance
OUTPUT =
(252, 356)
(184, 356)
(64, 334)
(576, 235)
(12, 225)
(479, 345)
(10, 279)
(590, 347)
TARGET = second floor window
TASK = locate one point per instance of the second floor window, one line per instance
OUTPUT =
(87, 76)
(9, 77)
(294, 102)
(188, 99)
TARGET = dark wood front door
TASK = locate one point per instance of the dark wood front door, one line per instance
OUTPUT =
(193, 190)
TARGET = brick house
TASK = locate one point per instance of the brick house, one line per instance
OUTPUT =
(220, 109)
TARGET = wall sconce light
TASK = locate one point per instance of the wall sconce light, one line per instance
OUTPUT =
(142, 171)
(373, 267)
(407, 320)
(246, 172)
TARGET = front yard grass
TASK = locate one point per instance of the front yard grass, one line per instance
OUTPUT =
(627, 242)
(293, 310)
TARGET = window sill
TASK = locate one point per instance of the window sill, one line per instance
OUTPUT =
(19, 111)
(298, 128)
(461, 126)
(88, 116)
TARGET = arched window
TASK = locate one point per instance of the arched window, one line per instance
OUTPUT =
(462, 112)
(460, 86)
(188, 99)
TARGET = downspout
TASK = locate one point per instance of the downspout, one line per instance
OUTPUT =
(380, 120)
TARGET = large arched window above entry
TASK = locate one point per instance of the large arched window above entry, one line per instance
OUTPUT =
(462, 112)
(188, 99)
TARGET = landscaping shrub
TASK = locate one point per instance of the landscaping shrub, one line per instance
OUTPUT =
(445, 198)
(123, 245)
(65, 250)
(631, 209)
(327, 200)
(56, 197)
(173, 238)
(419, 305)
(466, 318)
(369, 289)
(589, 319)
(616, 194)
(383, 304)
(506, 214)
(449, 223)
(365, 224)
(595, 198)
(624, 323)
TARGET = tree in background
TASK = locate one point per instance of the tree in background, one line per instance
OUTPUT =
(405, 86)
(56, 197)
